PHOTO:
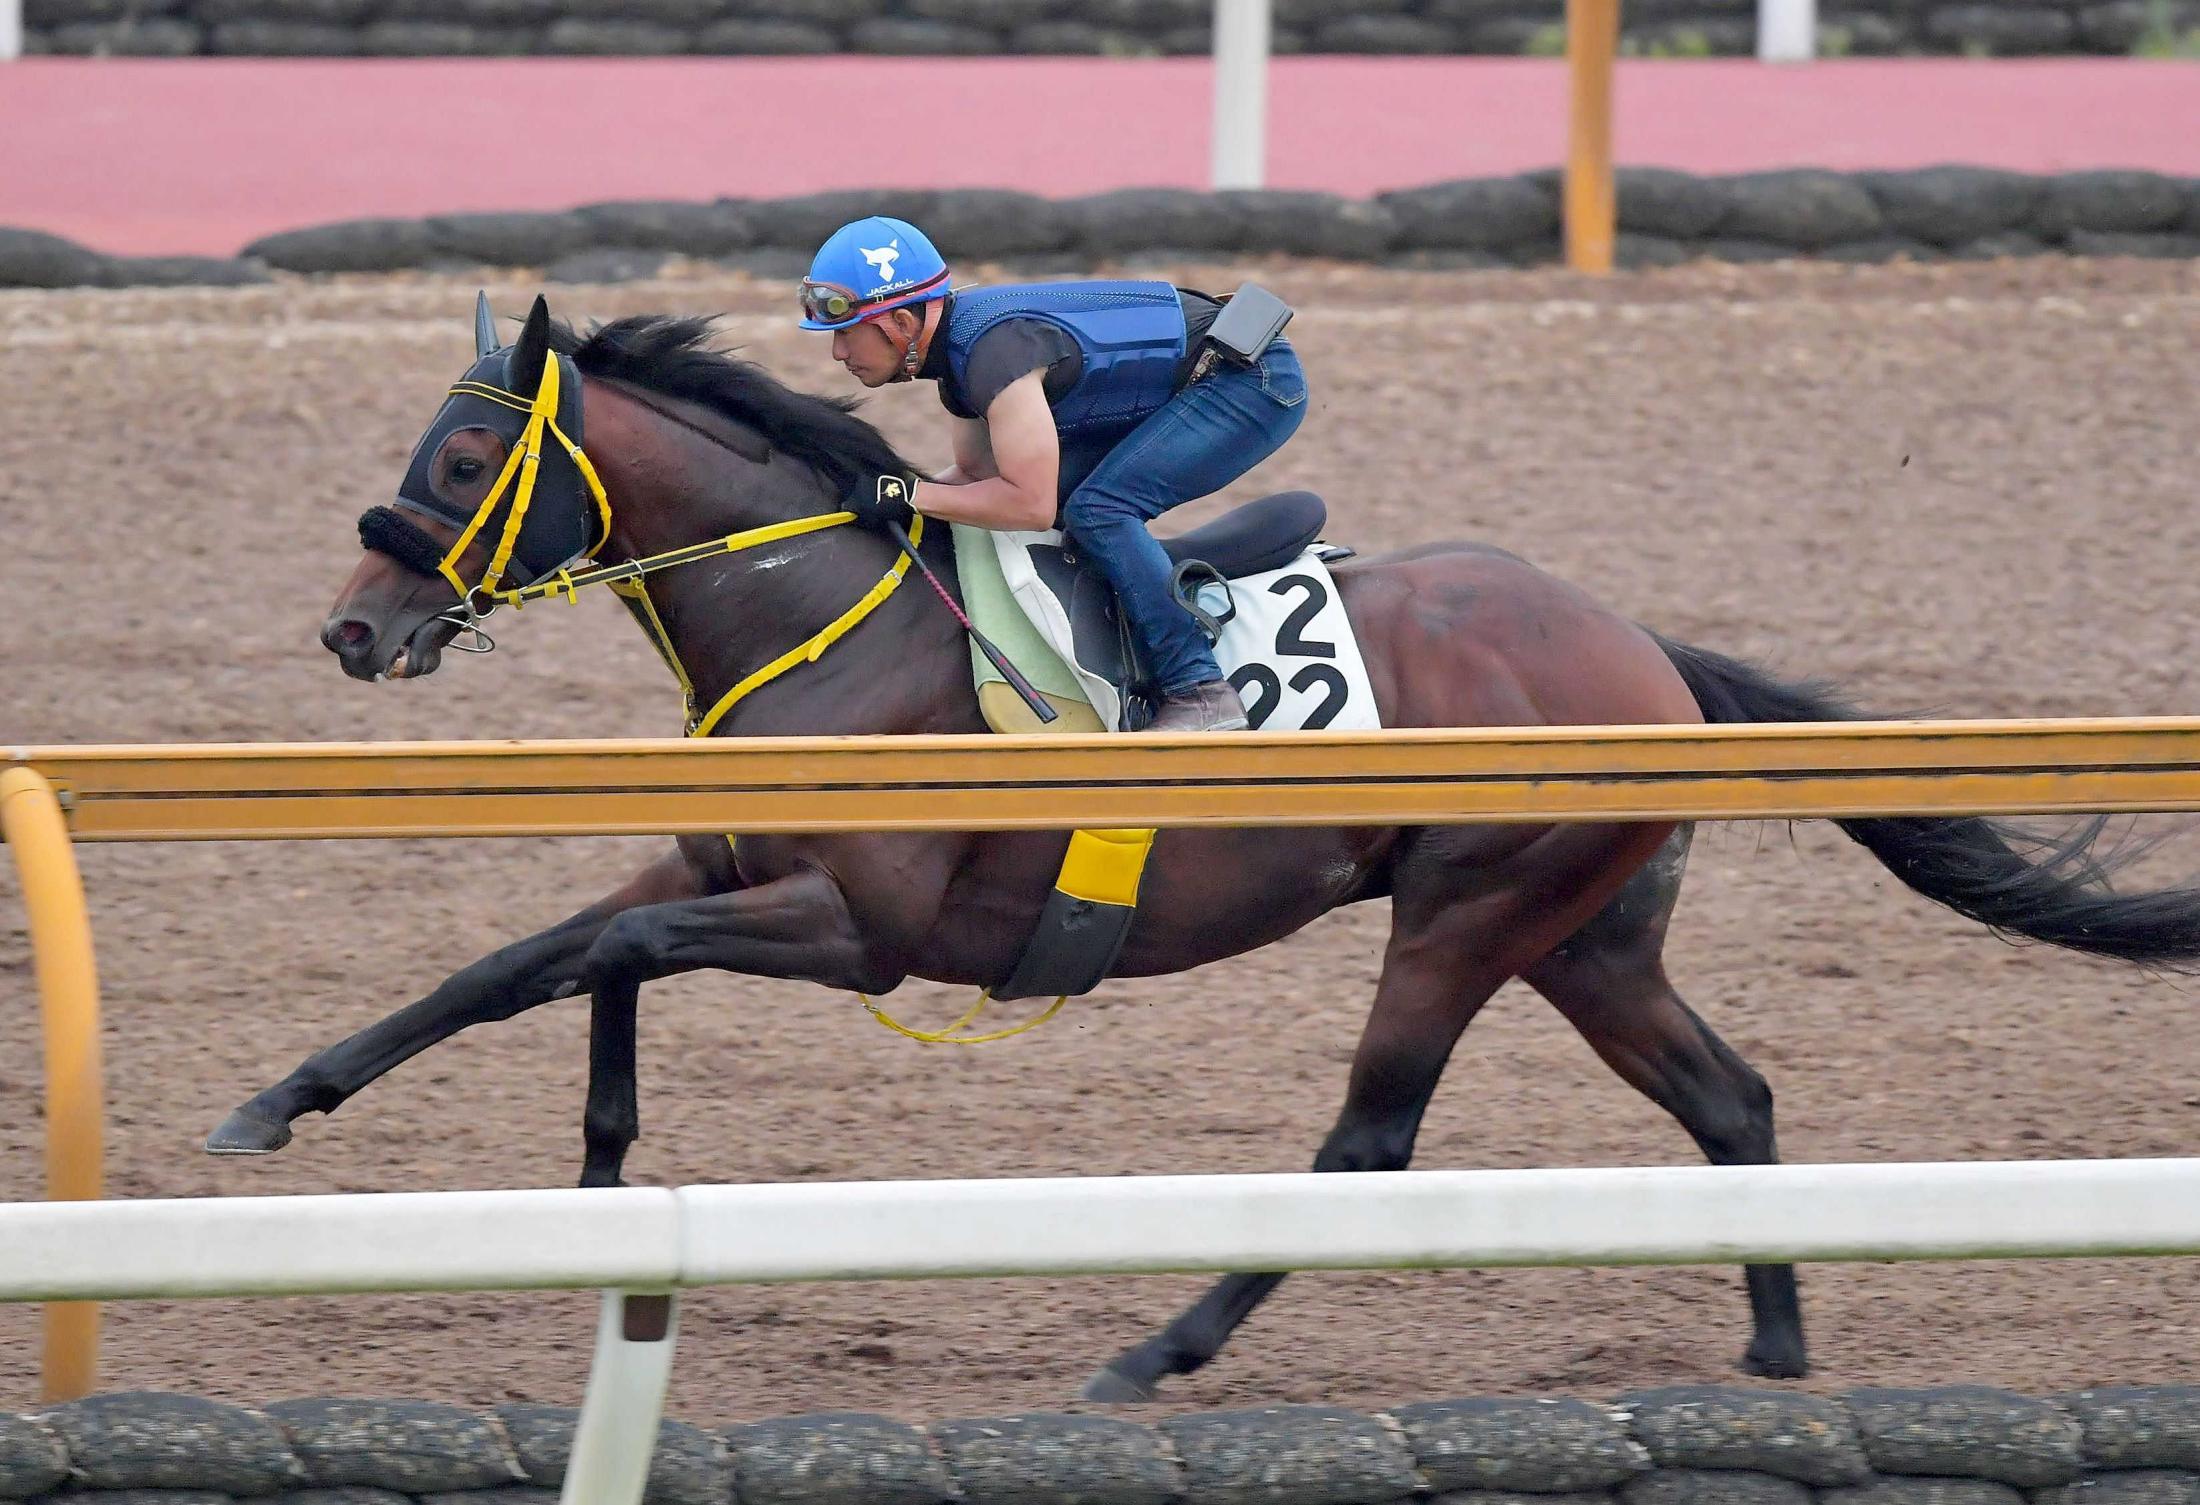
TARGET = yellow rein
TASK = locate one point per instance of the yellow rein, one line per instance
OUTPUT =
(629, 581)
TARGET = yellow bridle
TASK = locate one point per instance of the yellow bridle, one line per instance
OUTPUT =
(523, 465)
(628, 579)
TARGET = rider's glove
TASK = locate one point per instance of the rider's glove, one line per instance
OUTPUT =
(877, 500)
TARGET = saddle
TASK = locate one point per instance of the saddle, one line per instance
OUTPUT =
(1251, 539)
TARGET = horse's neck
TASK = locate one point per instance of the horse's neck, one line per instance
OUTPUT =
(902, 668)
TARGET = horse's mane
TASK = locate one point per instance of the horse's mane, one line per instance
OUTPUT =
(671, 355)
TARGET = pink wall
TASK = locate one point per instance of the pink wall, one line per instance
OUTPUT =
(203, 155)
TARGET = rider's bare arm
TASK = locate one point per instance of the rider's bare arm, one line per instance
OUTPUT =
(1025, 455)
(973, 453)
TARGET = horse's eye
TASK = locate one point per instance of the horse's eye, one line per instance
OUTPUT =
(465, 468)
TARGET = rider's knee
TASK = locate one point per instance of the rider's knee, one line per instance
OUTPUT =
(1096, 506)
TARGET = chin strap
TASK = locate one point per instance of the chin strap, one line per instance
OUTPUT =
(912, 354)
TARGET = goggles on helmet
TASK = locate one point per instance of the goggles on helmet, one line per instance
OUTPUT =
(830, 303)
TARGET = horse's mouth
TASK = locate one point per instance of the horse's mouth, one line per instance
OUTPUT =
(422, 653)
(355, 646)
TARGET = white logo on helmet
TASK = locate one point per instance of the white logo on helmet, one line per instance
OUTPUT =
(882, 260)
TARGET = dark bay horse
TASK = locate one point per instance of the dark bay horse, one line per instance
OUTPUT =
(691, 445)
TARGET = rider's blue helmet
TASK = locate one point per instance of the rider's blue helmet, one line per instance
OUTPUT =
(867, 268)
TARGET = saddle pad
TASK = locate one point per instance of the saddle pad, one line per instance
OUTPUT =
(1286, 643)
(995, 612)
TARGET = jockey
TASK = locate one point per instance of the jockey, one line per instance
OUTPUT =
(1073, 406)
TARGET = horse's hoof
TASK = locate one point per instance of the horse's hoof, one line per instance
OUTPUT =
(245, 1132)
(1112, 1387)
(1786, 1364)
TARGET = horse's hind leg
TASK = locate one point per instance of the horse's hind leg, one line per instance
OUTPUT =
(1472, 906)
(1424, 1002)
(1608, 979)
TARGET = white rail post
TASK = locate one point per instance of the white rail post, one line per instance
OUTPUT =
(625, 1401)
(1787, 30)
(11, 29)
(1241, 93)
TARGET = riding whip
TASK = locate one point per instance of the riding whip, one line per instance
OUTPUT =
(999, 660)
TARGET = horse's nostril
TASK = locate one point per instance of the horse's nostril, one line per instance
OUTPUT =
(347, 636)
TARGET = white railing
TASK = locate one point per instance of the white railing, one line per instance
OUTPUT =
(1787, 30)
(1241, 93)
(645, 1243)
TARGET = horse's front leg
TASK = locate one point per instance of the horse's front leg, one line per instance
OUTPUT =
(506, 982)
(798, 926)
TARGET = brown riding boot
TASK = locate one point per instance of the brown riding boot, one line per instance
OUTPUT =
(1211, 707)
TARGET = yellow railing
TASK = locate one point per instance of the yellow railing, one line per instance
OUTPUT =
(68, 993)
(1591, 198)
(278, 791)
(822, 784)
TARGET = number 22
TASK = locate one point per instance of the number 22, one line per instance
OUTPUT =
(1263, 688)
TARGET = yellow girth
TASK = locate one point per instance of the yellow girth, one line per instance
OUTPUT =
(1101, 868)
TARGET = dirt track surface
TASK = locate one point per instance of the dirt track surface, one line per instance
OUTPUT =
(1966, 491)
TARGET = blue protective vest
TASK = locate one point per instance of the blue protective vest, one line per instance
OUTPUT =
(1131, 335)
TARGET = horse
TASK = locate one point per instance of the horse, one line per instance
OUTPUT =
(690, 451)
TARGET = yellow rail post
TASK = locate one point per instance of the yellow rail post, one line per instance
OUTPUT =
(1592, 211)
(68, 999)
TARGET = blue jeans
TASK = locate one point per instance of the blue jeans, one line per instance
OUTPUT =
(1204, 438)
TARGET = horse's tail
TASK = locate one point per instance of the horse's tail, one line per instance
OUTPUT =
(2048, 889)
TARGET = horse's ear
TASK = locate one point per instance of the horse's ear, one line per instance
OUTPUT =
(485, 327)
(523, 367)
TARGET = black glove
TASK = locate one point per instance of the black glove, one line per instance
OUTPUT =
(878, 500)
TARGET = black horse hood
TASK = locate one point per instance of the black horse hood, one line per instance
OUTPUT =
(496, 395)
